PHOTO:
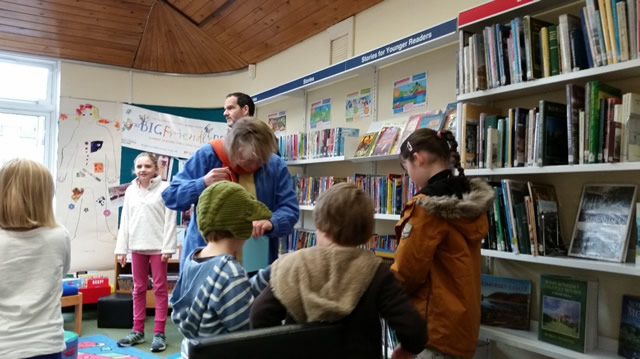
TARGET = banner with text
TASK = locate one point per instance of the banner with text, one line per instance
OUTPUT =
(166, 134)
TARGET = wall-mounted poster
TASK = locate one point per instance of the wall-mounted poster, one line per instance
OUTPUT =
(410, 93)
(320, 114)
(88, 164)
(278, 122)
(358, 105)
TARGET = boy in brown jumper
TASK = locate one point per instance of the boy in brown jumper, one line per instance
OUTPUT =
(336, 281)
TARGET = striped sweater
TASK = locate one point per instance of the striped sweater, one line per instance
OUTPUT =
(213, 296)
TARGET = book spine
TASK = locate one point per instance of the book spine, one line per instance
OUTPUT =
(612, 31)
(632, 28)
(594, 122)
(616, 28)
(528, 48)
(581, 124)
(570, 141)
(605, 30)
(554, 55)
(591, 62)
(622, 26)
(544, 43)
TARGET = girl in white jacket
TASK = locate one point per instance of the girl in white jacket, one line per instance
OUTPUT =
(148, 230)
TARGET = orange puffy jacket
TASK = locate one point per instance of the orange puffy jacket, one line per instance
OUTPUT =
(438, 263)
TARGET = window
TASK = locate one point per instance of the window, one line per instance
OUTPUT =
(28, 101)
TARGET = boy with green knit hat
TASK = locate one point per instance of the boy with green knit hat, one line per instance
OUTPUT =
(213, 294)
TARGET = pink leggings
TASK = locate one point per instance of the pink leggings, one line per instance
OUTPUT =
(140, 270)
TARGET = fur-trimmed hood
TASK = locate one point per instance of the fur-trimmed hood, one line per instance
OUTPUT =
(472, 205)
(462, 213)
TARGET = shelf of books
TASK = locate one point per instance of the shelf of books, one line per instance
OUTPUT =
(528, 340)
(600, 266)
(383, 246)
(530, 170)
(613, 72)
(491, 12)
(381, 216)
(316, 160)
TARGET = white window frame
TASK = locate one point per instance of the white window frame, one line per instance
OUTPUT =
(48, 108)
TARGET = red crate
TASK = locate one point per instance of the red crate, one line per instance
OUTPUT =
(91, 295)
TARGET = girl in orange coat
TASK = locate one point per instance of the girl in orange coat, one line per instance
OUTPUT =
(438, 255)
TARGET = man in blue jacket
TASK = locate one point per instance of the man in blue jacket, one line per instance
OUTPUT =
(246, 156)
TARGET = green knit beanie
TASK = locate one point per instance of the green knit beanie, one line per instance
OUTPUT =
(227, 206)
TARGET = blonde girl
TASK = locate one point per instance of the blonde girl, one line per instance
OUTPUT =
(34, 256)
(148, 230)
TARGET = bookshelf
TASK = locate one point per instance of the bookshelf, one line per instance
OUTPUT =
(380, 216)
(585, 264)
(613, 72)
(528, 340)
(615, 279)
(562, 169)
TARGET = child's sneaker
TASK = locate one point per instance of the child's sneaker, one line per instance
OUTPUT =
(159, 343)
(132, 338)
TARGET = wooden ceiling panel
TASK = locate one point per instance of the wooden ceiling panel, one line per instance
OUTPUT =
(106, 8)
(230, 15)
(26, 21)
(274, 40)
(14, 5)
(168, 28)
(254, 17)
(206, 11)
(32, 45)
(177, 36)
(274, 22)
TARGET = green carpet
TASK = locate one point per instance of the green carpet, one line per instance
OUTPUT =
(90, 327)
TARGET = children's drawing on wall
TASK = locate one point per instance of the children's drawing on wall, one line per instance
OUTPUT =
(358, 105)
(410, 93)
(321, 114)
(88, 164)
(278, 122)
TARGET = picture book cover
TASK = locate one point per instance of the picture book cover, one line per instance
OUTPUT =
(366, 144)
(603, 223)
(450, 118)
(568, 312)
(412, 125)
(629, 339)
(433, 122)
(505, 302)
(386, 141)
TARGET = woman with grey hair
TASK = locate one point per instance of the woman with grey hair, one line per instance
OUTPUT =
(245, 155)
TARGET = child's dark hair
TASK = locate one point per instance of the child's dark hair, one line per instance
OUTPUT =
(439, 143)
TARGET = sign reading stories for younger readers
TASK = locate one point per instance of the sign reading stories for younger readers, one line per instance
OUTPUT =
(410, 93)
